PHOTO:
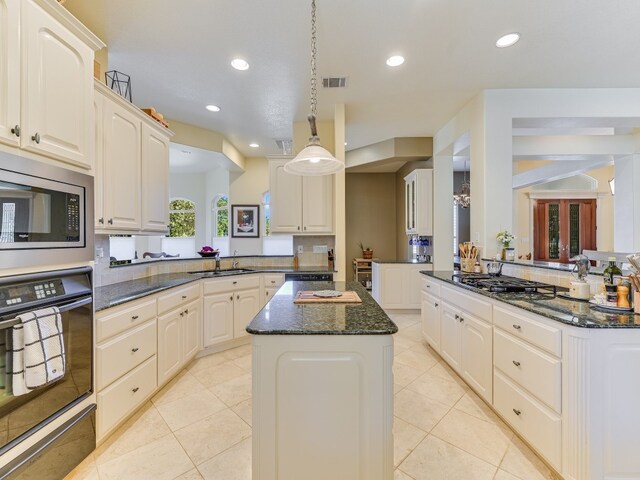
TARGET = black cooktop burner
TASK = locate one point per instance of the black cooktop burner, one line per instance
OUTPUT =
(499, 284)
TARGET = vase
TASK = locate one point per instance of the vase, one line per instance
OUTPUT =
(508, 254)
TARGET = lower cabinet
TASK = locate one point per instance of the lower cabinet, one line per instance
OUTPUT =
(246, 304)
(397, 285)
(178, 339)
(218, 318)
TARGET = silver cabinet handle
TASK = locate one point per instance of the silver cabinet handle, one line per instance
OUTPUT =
(436, 305)
(186, 311)
(235, 282)
(516, 363)
(231, 298)
(298, 227)
(184, 297)
(516, 326)
(182, 314)
(16, 130)
(457, 316)
(517, 412)
(428, 286)
(110, 221)
(237, 297)
(273, 281)
(101, 220)
(134, 317)
(36, 137)
(266, 293)
(135, 349)
(135, 389)
(305, 228)
(461, 319)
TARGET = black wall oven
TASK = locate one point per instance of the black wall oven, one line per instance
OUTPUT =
(46, 214)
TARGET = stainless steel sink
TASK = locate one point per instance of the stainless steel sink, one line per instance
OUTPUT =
(221, 272)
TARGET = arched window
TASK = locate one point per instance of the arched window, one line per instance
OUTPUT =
(266, 199)
(182, 218)
(220, 211)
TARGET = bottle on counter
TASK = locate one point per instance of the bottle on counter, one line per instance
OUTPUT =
(612, 273)
(477, 268)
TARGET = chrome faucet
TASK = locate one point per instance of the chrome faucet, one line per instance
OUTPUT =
(235, 262)
(217, 262)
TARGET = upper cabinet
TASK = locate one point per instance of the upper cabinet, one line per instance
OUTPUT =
(46, 81)
(132, 167)
(419, 202)
(300, 204)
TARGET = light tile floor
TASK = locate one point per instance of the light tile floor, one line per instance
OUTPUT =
(199, 425)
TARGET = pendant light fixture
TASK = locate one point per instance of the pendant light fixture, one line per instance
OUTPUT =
(313, 159)
(463, 197)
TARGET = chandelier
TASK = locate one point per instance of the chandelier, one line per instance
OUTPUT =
(463, 197)
(313, 159)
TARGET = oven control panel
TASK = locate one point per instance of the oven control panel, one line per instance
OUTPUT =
(28, 292)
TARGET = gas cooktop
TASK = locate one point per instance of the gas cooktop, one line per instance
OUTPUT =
(504, 284)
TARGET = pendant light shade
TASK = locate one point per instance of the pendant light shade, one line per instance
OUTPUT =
(313, 160)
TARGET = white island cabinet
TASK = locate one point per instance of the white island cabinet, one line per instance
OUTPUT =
(564, 379)
(396, 285)
(322, 389)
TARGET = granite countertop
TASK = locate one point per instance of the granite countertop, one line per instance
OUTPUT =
(115, 294)
(570, 312)
(400, 261)
(282, 317)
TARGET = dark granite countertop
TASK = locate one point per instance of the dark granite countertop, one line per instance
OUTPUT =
(282, 317)
(570, 312)
(115, 294)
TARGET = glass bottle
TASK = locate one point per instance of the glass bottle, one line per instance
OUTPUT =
(611, 272)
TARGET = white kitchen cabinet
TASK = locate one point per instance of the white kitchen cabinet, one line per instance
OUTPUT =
(10, 72)
(300, 204)
(229, 306)
(132, 168)
(218, 318)
(397, 285)
(155, 180)
(271, 284)
(430, 316)
(450, 335)
(46, 76)
(419, 202)
(191, 328)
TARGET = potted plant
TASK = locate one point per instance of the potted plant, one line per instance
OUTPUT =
(367, 253)
(505, 238)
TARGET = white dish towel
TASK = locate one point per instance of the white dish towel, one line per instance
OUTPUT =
(38, 350)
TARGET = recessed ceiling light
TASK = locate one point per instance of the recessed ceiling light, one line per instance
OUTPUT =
(345, 144)
(254, 145)
(213, 108)
(395, 61)
(239, 64)
(508, 40)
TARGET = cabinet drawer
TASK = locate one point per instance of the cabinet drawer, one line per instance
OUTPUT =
(430, 286)
(118, 319)
(123, 396)
(273, 280)
(535, 332)
(117, 356)
(467, 301)
(239, 282)
(537, 424)
(539, 373)
(177, 297)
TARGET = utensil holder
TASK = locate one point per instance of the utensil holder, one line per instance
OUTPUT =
(467, 265)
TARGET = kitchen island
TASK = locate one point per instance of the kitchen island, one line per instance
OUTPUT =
(322, 387)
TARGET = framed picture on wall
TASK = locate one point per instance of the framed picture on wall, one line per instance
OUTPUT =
(245, 221)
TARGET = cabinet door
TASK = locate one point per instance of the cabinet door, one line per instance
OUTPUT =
(391, 282)
(191, 328)
(121, 167)
(412, 283)
(169, 346)
(450, 335)
(98, 187)
(246, 304)
(9, 71)
(57, 108)
(317, 204)
(430, 315)
(155, 180)
(286, 195)
(424, 203)
(269, 293)
(477, 354)
(217, 318)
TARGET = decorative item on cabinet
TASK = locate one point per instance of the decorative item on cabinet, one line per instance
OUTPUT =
(119, 82)
(157, 116)
(367, 253)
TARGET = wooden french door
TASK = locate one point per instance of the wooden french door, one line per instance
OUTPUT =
(563, 228)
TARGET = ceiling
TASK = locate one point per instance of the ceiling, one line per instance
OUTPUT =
(189, 159)
(178, 55)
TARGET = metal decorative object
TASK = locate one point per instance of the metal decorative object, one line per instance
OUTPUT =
(463, 197)
(313, 159)
(119, 82)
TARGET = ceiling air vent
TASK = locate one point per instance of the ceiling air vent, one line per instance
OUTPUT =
(334, 82)
(285, 145)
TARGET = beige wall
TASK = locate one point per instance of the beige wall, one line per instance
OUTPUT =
(524, 242)
(371, 214)
(246, 189)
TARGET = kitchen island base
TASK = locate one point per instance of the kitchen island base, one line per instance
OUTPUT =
(323, 407)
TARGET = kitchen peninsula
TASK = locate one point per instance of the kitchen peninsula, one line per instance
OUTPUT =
(322, 387)
(554, 369)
